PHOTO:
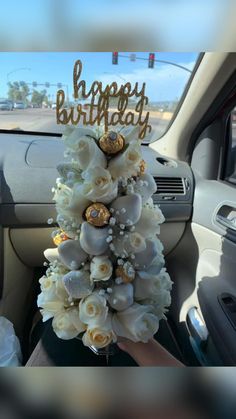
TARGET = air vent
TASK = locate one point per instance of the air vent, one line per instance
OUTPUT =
(169, 185)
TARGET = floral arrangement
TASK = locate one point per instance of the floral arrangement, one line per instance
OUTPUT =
(106, 277)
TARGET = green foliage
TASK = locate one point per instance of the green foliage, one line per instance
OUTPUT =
(18, 91)
(39, 97)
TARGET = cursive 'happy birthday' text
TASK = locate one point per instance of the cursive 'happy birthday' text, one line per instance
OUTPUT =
(98, 112)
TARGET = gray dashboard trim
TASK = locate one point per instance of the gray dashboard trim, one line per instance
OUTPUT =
(28, 173)
(37, 214)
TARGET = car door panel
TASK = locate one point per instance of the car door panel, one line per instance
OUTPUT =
(215, 235)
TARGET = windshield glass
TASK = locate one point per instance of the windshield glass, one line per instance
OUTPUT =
(30, 81)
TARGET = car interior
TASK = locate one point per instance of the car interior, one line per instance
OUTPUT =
(194, 166)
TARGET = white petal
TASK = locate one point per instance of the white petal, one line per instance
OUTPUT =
(52, 254)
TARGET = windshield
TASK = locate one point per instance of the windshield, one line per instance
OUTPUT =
(31, 81)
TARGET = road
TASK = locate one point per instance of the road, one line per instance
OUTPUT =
(44, 120)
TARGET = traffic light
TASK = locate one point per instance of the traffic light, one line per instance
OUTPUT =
(132, 57)
(115, 58)
(151, 60)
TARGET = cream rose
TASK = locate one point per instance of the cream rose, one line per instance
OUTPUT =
(149, 222)
(99, 336)
(70, 173)
(47, 283)
(128, 244)
(137, 323)
(67, 324)
(80, 142)
(153, 286)
(135, 243)
(98, 185)
(53, 297)
(127, 163)
(70, 202)
(93, 309)
(100, 268)
(62, 197)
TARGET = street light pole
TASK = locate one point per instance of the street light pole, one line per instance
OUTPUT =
(159, 61)
(17, 69)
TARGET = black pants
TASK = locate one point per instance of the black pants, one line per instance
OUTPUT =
(58, 352)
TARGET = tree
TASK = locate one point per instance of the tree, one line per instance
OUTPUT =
(39, 97)
(18, 91)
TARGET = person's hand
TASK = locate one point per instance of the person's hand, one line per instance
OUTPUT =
(149, 354)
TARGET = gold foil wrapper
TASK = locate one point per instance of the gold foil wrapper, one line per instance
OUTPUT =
(142, 167)
(112, 142)
(123, 274)
(97, 214)
(59, 238)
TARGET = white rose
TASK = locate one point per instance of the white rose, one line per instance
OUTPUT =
(128, 244)
(58, 269)
(165, 280)
(137, 323)
(135, 243)
(99, 336)
(70, 173)
(67, 324)
(47, 283)
(98, 185)
(70, 202)
(82, 146)
(149, 222)
(154, 286)
(100, 268)
(157, 309)
(52, 299)
(93, 309)
(62, 197)
(127, 163)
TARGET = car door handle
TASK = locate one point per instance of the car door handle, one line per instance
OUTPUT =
(226, 222)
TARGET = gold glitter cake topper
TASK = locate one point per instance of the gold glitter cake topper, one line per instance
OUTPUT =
(99, 113)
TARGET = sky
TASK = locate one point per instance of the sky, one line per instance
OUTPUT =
(164, 82)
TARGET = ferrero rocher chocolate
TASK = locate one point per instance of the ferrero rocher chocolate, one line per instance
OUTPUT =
(60, 237)
(112, 142)
(97, 214)
(125, 272)
(142, 167)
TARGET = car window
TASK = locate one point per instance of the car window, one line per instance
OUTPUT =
(33, 79)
